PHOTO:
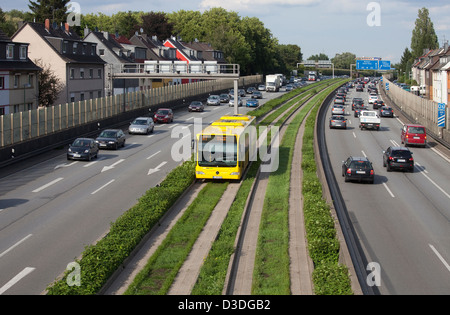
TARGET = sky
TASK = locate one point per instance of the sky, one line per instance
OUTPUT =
(365, 28)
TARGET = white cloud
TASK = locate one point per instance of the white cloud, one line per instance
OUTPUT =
(246, 5)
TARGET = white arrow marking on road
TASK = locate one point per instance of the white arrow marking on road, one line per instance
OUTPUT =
(106, 168)
(154, 170)
(65, 165)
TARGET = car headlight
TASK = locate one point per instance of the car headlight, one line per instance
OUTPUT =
(70, 150)
(111, 142)
(86, 151)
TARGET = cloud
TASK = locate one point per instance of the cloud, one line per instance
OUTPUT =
(247, 5)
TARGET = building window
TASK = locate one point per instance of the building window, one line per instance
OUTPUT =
(99, 73)
(10, 52)
(72, 73)
(23, 52)
(72, 97)
(82, 73)
(84, 49)
(101, 52)
(30, 80)
(75, 46)
(2, 83)
(64, 47)
(2, 111)
(91, 95)
(99, 94)
(93, 49)
(16, 80)
(81, 96)
(91, 73)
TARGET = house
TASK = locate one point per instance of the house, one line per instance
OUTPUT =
(19, 88)
(156, 51)
(115, 56)
(441, 79)
(74, 61)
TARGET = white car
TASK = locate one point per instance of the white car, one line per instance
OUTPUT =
(338, 110)
(231, 102)
(213, 100)
(372, 98)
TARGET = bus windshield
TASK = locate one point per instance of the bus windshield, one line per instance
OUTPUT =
(217, 150)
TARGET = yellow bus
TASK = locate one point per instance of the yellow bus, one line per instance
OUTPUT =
(225, 148)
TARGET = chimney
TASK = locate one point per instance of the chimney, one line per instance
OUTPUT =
(47, 24)
(106, 35)
(67, 28)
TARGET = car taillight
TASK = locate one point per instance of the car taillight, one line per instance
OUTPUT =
(391, 158)
(371, 172)
(411, 159)
(349, 171)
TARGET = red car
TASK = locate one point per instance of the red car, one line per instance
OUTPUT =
(414, 135)
(163, 115)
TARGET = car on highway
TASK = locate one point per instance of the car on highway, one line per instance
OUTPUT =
(196, 106)
(82, 149)
(338, 121)
(231, 102)
(386, 111)
(241, 92)
(372, 98)
(414, 135)
(224, 98)
(163, 115)
(252, 102)
(398, 158)
(355, 101)
(261, 87)
(251, 89)
(289, 87)
(356, 168)
(377, 104)
(213, 100)
(141, 125)
(111, 139)
(358, 108)
(338, 110)
(339, 100)
(359, 88)
(257, 94)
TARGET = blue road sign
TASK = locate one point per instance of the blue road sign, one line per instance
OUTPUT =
(441, 115)
(384, 65)
(387, 86)
(366, 64)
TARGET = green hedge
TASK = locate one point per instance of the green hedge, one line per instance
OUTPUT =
(101, 260)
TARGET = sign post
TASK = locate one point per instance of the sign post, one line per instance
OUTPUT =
(441, 115)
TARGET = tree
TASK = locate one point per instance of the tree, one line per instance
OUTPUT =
(423, 35)
(406, 58)
(49, 84)
(54, 10)
(344, 60)
(157, 23)
(318, 57)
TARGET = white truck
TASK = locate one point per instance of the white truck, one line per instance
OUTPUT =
(369, 119)
(272, 83)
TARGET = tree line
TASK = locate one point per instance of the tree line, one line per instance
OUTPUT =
(243, 40)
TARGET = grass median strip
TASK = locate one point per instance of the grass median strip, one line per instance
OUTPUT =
(161, 269)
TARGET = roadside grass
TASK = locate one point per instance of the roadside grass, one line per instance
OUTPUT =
(161, 269)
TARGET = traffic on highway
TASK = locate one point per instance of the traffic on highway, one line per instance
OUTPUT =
(394, 181)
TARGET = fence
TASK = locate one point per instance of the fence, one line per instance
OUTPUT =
(23, 126)
(420, 110)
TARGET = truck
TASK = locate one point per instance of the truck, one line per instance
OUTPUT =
(312, 75)
(369, 119)
(272, 83)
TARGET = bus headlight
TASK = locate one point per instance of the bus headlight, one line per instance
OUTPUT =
(235, 173)
(200, 173)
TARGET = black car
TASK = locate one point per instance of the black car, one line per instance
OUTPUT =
(377, 104)
(358, 108)
(257, 94)
(196, 106)
(82, 149)
(111, 139)
(398, 158)
(355, 101)
(359, 88)
(358, 169)
(386, 111)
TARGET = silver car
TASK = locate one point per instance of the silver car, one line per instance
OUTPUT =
(141, 125)
(338, 110)
(213, 100)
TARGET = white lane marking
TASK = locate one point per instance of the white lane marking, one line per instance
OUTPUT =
(149, 136)
(153, 155)
(171, 126)
(94, 162)
(16, 279)
(15, 245)
(441, 155)
(156, 169)
(388, 190)
(354, 135)
(190, 118)
(437, 186)
(394, 143)
(106, 168)
(440, 257)
(96, 191)
(47, 185)
(65, 165)
(421, 168)
(364, 153)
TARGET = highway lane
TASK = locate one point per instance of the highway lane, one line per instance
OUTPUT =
(52, 210)
(402, 220)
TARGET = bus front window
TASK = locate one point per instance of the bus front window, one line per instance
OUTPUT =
(217, 150)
